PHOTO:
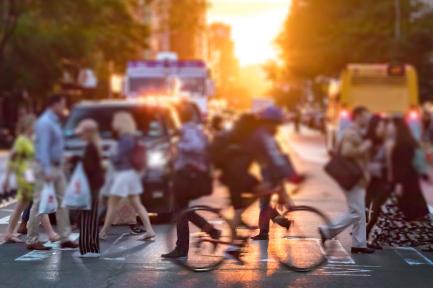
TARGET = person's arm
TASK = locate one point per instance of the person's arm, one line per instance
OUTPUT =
(351, 148)
(44, 134)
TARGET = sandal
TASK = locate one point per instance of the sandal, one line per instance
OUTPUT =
(103, 236)
(13, 240)
(147, 237)
(55, 238)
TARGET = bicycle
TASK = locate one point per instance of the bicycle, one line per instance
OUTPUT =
(302, 249)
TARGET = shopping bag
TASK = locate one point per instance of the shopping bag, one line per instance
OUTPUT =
(48, 203)
(78, 195)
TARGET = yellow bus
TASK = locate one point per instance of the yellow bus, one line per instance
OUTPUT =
(386, 89)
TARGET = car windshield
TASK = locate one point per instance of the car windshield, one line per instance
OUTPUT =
(149, 120)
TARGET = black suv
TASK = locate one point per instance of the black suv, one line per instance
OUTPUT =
(157, 124)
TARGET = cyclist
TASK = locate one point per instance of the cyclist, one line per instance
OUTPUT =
(233, 153)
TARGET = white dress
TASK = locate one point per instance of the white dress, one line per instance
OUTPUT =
(126, 183)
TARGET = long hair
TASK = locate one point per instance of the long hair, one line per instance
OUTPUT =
(372, 128)
(244, 127)
(124, 123)
(404, 136)
(25, 123)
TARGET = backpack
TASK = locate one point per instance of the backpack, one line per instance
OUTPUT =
(139, 155)
(227, 145)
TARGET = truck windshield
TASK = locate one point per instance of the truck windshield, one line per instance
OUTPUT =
(193, 85)
(143, 86)
(149, 121)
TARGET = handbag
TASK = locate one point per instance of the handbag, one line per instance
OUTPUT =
(78, 195)
(346, 172)
(48, 203)
(420, 161)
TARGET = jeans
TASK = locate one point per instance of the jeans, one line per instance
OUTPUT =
(267, 213)
(183, 226)
(355, 216)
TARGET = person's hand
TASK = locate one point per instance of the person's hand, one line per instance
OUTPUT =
(399, 191)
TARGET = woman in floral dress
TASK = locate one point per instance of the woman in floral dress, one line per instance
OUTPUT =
(404, 220)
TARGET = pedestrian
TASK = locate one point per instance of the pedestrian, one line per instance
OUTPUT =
(49, 169)
(354, 147)
(378, 188)
(192, 180)
(21, 164)
(93, 169)
(126, 182)
(404, 219)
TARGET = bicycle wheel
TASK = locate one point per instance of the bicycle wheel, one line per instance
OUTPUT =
(300, 247)
(206, 249)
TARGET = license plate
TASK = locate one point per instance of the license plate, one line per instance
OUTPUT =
(158, 194)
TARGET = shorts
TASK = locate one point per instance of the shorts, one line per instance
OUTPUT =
(126, 183)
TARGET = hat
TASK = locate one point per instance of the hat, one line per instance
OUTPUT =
(272, 114)
(86, 125)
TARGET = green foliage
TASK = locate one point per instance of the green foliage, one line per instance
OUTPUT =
(320, 37)
(87, 33)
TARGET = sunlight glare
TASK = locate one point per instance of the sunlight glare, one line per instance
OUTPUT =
(255, 25)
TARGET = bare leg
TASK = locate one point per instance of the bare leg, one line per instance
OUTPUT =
(113, 203)
(52, 235)
(142, 212)
(13, 221)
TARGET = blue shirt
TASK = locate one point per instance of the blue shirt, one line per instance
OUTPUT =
(274, 164)
(49, 141)
(122, 159)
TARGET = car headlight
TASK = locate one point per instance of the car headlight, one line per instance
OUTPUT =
(157, 159)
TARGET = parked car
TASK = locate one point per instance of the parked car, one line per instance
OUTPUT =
(157, 125)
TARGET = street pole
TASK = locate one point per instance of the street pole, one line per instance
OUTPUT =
(397, 30)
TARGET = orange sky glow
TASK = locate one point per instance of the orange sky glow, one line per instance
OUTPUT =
(255, 24)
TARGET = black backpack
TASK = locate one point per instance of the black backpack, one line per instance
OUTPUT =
(227, 145)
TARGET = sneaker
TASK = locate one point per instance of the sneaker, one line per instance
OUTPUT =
(357, 250)
(175, 254)
(68, 245)
(283, 222)
(39, 246)
(90, 255)
(136, 229)
(260, 237)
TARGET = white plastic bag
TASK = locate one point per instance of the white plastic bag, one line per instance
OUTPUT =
(48, 203)
(78, 195)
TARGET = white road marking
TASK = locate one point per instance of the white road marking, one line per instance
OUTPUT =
(36, 256)
(412, 256)
(7, 210)
(339, 254)
(4, 220)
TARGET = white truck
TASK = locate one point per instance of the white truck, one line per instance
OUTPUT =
(167, 76)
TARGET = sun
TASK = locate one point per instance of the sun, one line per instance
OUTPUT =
(255, 25)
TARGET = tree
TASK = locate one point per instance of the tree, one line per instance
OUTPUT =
(88, 33)
(187, 24)
(320, 39)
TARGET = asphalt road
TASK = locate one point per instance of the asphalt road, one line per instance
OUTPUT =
(127, 262)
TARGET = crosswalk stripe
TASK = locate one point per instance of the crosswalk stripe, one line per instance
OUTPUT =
(412, 256)
(42, 255)
(4, 220)
(339, 254)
